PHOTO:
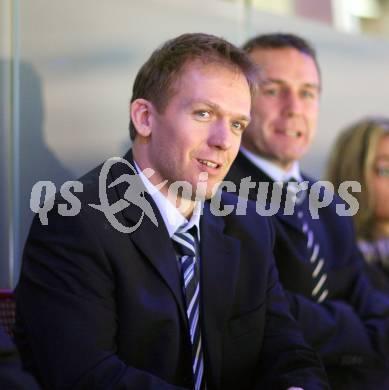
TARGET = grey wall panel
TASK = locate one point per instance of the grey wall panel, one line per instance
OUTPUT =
(5, 206)
(6, 236)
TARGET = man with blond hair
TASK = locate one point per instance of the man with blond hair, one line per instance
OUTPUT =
(182, 300)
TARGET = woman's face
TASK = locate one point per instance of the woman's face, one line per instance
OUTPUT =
(380, 180)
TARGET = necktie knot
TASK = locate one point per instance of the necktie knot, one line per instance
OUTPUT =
(291, 185)
(184, 241)
(297, 194)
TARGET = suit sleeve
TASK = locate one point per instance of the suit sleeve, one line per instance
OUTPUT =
(352, 331)
(12, 375)
(66, 318)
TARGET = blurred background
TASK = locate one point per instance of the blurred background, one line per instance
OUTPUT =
(67, 67)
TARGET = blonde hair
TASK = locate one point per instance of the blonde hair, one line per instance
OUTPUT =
(352, 158)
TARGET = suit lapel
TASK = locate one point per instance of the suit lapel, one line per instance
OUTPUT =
(153, 241)
(220, 257)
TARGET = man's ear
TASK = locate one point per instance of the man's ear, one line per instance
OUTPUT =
(141, 112)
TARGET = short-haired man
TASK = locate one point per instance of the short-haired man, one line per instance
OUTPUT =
(187, 299)
(317, 259)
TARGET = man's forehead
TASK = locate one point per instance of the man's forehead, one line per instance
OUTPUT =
(204, 68)
(200, 82)
(287, 64)
(221, 88)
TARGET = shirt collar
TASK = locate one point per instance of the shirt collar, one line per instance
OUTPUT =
(171, 216)
(273, 171)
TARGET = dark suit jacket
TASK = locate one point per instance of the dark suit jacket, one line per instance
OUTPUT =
(350, 328)
(101, 309)
(12, 375)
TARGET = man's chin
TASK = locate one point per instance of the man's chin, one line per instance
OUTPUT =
(197, 190)
(204, 193)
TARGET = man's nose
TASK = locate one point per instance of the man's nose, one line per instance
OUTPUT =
(292, 104)
(221, 135)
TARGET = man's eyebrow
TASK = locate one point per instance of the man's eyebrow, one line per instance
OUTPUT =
(312, 85)
(216, 107)
(282, 82)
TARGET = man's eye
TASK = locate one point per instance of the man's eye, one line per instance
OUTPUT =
(307, 94)
(236, 125)
(203, 114)
(270, 91)
(382, 171)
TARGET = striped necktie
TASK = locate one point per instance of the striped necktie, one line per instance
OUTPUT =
(319, 277)
(185, 246)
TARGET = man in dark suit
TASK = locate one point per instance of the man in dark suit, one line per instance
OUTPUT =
(317, 259)
(99, 308)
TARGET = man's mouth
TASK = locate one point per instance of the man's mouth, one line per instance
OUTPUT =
(209, 163)
(291, 133)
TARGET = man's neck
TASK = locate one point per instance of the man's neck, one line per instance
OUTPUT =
(175, 210)
(184, 206)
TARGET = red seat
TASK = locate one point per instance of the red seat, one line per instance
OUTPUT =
(7, 310)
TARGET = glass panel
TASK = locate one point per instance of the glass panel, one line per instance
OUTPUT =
(5, 143)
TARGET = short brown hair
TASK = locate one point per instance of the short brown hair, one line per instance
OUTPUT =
(156, 78)
(352, 158)
(282, 41)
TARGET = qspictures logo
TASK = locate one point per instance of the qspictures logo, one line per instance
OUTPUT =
(318, 195)
(135, 194)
